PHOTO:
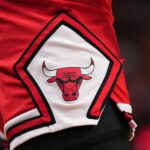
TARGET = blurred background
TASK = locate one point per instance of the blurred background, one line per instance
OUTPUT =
(132, 23)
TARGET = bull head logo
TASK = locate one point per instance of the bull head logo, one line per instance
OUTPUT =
(69, 79)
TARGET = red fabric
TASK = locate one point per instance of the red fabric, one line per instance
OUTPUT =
(1, 123)
(21, 21)
(120, 92)
(5, 144)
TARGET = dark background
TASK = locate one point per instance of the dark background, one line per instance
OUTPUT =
(132, 23)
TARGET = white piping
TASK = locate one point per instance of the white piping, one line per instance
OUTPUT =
(27, 115)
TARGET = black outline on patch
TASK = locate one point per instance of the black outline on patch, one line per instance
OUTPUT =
(41, 94)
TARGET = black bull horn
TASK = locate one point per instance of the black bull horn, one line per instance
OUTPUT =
(52, 72)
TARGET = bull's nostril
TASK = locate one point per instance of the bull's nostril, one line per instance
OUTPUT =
(66, 95)
(73, 94)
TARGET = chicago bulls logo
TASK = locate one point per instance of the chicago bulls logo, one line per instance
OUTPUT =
(69, 79)
(46, 90)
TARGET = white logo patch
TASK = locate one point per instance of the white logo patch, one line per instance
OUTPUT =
(66, 48)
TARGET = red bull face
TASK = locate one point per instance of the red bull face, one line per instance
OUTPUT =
(69, 79)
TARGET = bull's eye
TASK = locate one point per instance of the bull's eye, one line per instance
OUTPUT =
(73, 94)
(66, 95)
